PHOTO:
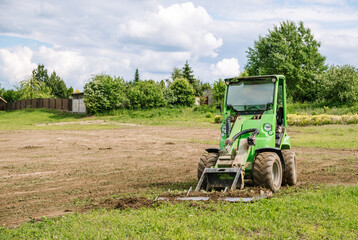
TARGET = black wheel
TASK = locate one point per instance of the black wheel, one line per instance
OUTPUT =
(290, 174)
(208, 160)
(267, 171)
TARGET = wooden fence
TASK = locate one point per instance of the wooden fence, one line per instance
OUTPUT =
(49, 103)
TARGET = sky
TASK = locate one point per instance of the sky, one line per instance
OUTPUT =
(81, 38)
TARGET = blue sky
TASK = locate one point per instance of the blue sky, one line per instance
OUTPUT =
(80, 38)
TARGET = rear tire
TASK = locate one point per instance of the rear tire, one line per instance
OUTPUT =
(208, 160)
(290, 174)
(267, 171)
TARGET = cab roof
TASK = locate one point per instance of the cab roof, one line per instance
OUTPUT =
(254, 77)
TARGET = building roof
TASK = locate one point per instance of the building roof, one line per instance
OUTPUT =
(78, 93)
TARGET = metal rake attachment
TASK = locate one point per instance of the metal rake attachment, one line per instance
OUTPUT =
(223, 198)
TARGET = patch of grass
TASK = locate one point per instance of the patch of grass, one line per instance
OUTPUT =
(318, 108)
(30, 118)
(319, 212)
(328, 136)
(322, 119)
(176, 116)
(199, 117)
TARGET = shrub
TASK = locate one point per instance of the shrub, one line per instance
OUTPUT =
(219, 91)
(145, 94)
(323, 119)
(104, 93)
(339, 85)
(218, 119)
(169, 96)
(183, 92)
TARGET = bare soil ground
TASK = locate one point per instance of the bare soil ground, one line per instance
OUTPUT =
(53, 172)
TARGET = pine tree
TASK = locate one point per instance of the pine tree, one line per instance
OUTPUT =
(136, 76)
(188, 73)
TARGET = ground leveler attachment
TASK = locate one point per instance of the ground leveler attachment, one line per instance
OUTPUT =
(227, 174)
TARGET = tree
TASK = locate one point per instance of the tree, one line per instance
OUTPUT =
(32, 88)
(104, 93)
(58, 86)
(291, 50)
(54, 82)
(183, 92)
(177, 73)
(40, 73)
(339, 85)
(145, 94)
(219, 91)
(205, 86)
(187, 73)
(11, 95)
(2, 91)
(136, 76)
(70, 91)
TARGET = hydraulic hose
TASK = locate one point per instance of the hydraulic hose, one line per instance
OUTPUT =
(254, 131)
(228, 126)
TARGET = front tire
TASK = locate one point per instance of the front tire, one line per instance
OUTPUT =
(290, 174)
(208, 160)
(267, 171)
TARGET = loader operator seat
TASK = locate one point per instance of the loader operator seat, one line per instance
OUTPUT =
(279, 116)
(280, 128)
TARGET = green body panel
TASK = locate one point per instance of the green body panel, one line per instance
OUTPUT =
(285, 144)
(265, 139)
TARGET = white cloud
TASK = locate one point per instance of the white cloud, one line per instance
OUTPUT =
(326, 2)
(155, 61)
(228, 67)
(15, 64)
(75, 69)
(116, 37)
(183, 27)
(67, 64)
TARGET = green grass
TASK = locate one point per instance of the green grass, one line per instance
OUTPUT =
(319, 212)
(320, 108)
(183, 117)
(202, 116)
(328, 136)
(30, 118)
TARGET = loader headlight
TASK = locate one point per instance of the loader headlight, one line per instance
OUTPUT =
(267, 127)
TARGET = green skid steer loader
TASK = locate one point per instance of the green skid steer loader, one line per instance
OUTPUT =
(254, 143)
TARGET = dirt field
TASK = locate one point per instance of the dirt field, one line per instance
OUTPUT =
(52, 172)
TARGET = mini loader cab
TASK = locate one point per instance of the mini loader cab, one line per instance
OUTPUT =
(254, 143)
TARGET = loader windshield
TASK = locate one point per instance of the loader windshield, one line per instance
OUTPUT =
(250, 95)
